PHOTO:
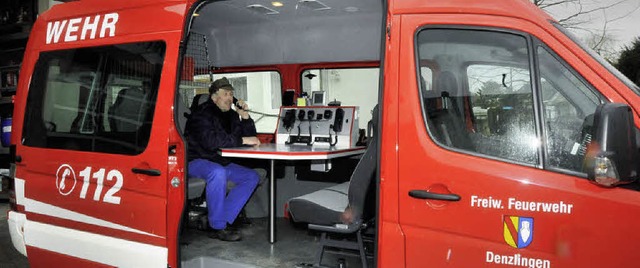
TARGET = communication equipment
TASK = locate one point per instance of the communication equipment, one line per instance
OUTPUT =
(318, 126)
(318, 98)
(337, 121)
(289, 119)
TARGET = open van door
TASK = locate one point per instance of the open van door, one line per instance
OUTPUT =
(94, 173)
(493, 134)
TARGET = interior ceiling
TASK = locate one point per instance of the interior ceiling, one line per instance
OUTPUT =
(236, 11)
(349, 30)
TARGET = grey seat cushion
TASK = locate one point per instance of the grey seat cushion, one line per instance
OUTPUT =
(195, 187)
(320, 207)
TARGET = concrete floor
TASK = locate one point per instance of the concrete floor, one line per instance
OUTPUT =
(294, 245)
(9, 257)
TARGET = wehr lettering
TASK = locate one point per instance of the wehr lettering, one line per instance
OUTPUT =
(84, 28)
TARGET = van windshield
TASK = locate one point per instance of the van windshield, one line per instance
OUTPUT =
(599, 58)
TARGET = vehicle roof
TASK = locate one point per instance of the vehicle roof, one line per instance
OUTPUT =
(238, 35)
(74, 8)
(512, 8)
(522, 9)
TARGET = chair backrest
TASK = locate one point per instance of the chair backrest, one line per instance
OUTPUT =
(198, 100)
(363, 175)
(184, 113)
(446, 115)
(128, 112)
(446, 82)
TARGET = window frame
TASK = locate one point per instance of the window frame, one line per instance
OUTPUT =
(535, 98)
(537, 43)
(252, 113)
(363, 113)
(541, 128)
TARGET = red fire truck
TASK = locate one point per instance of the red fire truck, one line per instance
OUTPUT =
(500, 140)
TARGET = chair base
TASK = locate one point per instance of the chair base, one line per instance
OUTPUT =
(339, 245)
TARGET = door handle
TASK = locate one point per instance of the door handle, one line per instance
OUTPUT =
(146, 171)
(421, 194)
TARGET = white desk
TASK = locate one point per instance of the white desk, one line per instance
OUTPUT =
(274, 152)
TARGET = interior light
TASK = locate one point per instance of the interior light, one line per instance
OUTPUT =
(262, 9)
(277, 4)
(351, 9)
(314, 4)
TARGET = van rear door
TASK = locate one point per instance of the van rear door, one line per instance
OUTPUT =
(92, 138)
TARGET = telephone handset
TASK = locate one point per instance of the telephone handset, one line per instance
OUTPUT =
(337, 120)
(64, 176)
(235, 102)
(289, 119)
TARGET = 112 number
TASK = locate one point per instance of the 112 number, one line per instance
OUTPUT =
(99, 175)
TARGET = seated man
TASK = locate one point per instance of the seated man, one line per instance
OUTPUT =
(215, 125)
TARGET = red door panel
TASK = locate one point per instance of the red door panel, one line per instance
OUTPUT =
(508, 213)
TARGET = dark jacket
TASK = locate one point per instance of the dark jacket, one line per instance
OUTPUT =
(206, 132)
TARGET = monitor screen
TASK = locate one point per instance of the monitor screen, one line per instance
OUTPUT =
(317, 98)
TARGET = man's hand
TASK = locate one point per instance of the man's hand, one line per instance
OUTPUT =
(242, 109)
(347, 216)
(250, 141)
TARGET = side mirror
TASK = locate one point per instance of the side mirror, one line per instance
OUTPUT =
(613, 154)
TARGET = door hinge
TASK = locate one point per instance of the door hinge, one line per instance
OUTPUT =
(388, 30)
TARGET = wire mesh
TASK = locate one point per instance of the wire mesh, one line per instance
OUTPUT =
(196, 68)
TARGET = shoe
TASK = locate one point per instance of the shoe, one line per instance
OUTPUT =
(226, 235)
(241, 221)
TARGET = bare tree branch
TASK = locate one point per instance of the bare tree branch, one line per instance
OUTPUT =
(581, 12)
(581, 16)
(542, 5)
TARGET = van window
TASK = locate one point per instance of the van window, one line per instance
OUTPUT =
(567, 101)
(350, 86)
(261, 90)
(98, 99)
(481, 98)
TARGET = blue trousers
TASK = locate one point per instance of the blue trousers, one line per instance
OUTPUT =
(223, 208)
